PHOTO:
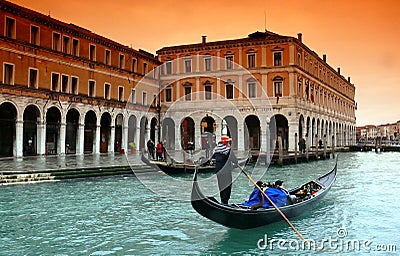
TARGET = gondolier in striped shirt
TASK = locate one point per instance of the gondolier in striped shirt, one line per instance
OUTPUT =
(224, 160)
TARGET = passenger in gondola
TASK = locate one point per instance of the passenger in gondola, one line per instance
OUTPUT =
(224, 161)
(276, 194)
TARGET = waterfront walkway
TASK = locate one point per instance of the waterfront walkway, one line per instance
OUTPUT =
(67, 162)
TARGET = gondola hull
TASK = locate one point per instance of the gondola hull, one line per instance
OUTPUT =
(180, 168)
(234, 216)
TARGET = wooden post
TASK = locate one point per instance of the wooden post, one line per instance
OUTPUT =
(280, 150)
(333, 146)
(325, 146)
(307, 147)
(295, 147)
(316, 146)
(376, 144)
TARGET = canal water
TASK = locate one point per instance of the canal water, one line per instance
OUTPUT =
(122, 216)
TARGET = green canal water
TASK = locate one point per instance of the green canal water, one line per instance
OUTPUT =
(121, 216)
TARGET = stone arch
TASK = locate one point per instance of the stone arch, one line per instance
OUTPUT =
(282, 129)
(72, 125)
(208, 129)
(252, 132)
(105, 132)
(132, 127)
(90, 127)
(232, 130)
(168, 133)
(187, 132)
(8, 118)
(30, 142)
(53, 123)
(118, 136)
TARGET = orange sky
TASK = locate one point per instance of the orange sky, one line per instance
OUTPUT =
(359, 36)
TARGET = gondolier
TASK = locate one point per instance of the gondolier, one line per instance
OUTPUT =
(224, 158)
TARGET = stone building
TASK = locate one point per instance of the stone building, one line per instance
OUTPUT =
(254, 85)
(65, 89)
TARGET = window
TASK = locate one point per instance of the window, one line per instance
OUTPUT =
(66, 45)
(299, 59)
(229, 62)
(208, 92)
(64, 84)
(35, 35)
(144, 68)
(107, 57)
(251, 90)
(92, 87)
(277, 58)
(188, 93)
(107, 91)
(33, 78)
(144, 98)
(251, 60)
(207, 63)
(121, 63)
(10, 27)
(55, 80)
(75, 47)
(134, 66)
(168, 66)
(188, 65)
(168, 94)
(278, 88)
(229, 91)
(56, 41)
(8, 74)
(120, 93)
(74, 85)
(92, 52)
(133, 96)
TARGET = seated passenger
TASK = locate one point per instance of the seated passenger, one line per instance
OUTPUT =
(257, 200)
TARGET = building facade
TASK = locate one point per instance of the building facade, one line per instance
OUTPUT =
(64, 89)
(288, 85)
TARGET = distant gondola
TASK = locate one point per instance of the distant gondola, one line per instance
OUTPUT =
(235, 216)
(179, 168)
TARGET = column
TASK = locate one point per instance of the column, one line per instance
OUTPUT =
(19, 135)
(111, 141)
(197, 95)
(263, 56)
(240, 134)
(178, 138)
(124, 141)
(137, 139)
(41, 139)
(80, 139)
(240, 56)
(263, 136)
(240, 83)
(197, 135)
(96, 143)
(292, 134)
(61, 145)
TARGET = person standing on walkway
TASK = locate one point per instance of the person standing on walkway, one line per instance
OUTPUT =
(159, 151)
(224, 160)
(150, 148)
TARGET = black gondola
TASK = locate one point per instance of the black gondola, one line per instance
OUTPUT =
(235, 216)
(179, 168)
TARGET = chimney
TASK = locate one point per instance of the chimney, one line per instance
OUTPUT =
(338, 70)
(203, 39)
(300, 37)
(324, 57)
(348, 79)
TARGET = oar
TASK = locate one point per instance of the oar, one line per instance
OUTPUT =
(273, 204)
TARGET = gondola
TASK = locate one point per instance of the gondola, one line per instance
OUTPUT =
(179, 168)
(236, 216)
